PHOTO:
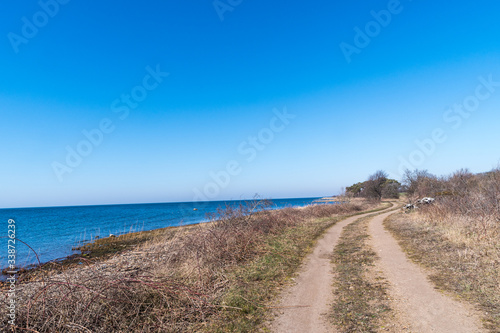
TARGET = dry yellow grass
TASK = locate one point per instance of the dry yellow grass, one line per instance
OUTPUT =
(457, 237)
(463, 256)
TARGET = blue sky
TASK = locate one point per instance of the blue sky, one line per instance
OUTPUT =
(259, 97)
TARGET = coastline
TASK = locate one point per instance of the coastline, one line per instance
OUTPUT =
(54, 231)
(94, 252)
(331, 199)
(100, 249)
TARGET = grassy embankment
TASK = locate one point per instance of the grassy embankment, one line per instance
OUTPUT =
(458, 239)
(214, 277)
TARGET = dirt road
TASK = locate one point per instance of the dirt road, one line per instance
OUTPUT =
(303, 306)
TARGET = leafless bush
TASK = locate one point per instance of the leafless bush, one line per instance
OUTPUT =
(421, 183)
(468, 202)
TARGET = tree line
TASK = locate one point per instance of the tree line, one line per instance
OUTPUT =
(461, 186)
(377, 187)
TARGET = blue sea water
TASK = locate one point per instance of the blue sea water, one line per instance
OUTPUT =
(52, 232)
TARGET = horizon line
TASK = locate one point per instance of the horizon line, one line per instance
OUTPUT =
(168, 202)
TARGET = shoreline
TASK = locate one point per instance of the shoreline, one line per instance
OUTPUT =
(98, 250)
(104, 248)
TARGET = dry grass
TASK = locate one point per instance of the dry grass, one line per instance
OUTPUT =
(458, 239)
(100, 250)
(462, 251)
(361, 299)
(199, 278)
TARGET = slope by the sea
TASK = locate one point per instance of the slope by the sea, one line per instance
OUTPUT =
(52, 232)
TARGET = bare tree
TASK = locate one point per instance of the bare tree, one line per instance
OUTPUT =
(375, 185)
(420, 183)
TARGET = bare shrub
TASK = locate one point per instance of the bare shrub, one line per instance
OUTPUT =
(469, 202)
(458, 235)
(421, 183)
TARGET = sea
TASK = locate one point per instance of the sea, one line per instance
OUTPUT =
(51, 233)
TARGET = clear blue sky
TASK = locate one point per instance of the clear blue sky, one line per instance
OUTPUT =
(349, 102)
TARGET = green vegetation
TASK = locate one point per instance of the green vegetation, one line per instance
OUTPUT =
(377, 186)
